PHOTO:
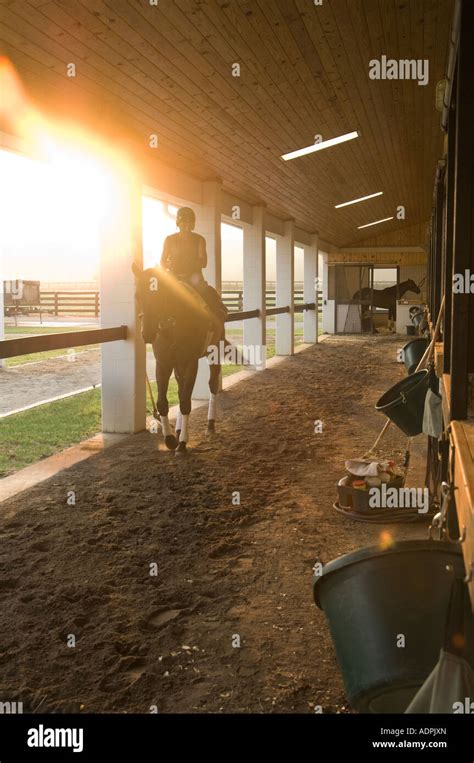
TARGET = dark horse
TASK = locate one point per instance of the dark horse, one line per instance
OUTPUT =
(179, 325)
(387, 298)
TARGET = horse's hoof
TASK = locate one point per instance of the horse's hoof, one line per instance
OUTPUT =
(171, 442)
(211, 427)
(181, 450)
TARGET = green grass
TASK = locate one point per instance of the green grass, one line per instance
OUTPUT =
(35, 434)
(27, 437)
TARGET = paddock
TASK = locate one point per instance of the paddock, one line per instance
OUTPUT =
(224, 570)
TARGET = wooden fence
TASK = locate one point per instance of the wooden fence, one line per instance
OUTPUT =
(88, 302)
(70, 302)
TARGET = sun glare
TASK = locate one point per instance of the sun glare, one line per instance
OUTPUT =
(51, 213)
(56, 193)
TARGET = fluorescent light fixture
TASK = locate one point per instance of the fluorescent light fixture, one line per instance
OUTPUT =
(356, 201)
(320, 146)
(375, 223)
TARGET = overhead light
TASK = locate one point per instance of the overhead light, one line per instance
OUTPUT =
(356, 201)
(320, 146)
(375, 223)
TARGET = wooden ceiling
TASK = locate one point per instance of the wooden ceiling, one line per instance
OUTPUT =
(304, 70)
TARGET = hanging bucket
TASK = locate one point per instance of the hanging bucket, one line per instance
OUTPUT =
(404, 403)
(413, 353)
(373, 599)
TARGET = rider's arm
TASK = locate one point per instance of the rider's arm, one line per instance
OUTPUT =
(165, 257)
(202, 253)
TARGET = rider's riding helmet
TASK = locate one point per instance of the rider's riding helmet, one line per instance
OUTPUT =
(185, 215)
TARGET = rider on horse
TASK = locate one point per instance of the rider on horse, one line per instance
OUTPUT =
(184, 256)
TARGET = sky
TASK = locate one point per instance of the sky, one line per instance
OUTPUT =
(50, 224)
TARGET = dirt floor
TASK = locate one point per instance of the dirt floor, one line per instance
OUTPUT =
(224, 572)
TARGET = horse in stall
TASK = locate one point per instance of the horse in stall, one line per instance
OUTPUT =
(387, 298)
(180, 326)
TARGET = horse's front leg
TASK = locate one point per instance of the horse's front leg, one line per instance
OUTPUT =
(164, 369)
(186, 379)
(214, 378)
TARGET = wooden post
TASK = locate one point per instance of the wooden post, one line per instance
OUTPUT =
(208, 224)
(310, 265)
(285, 287)
(123, 362)
(254, 288)
(462, 310)
(448, 250)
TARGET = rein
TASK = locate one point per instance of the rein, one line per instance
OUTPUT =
(156, 415)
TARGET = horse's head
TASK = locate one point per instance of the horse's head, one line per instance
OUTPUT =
(148, 284)
(412, 286)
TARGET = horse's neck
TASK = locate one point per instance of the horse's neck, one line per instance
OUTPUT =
(402, 288)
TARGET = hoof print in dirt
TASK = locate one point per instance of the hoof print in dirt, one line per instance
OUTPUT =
(159, 618)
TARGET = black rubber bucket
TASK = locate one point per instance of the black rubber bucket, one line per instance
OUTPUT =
(413, 353)
(404, 403)
(372, 598)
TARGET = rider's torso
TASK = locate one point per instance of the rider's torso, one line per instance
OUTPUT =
(184, 254)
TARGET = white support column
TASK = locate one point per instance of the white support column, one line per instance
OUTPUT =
(123, 362)
(208, 224)
(310, 317)
(329, 322)
(254, 288)
(285, 287)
